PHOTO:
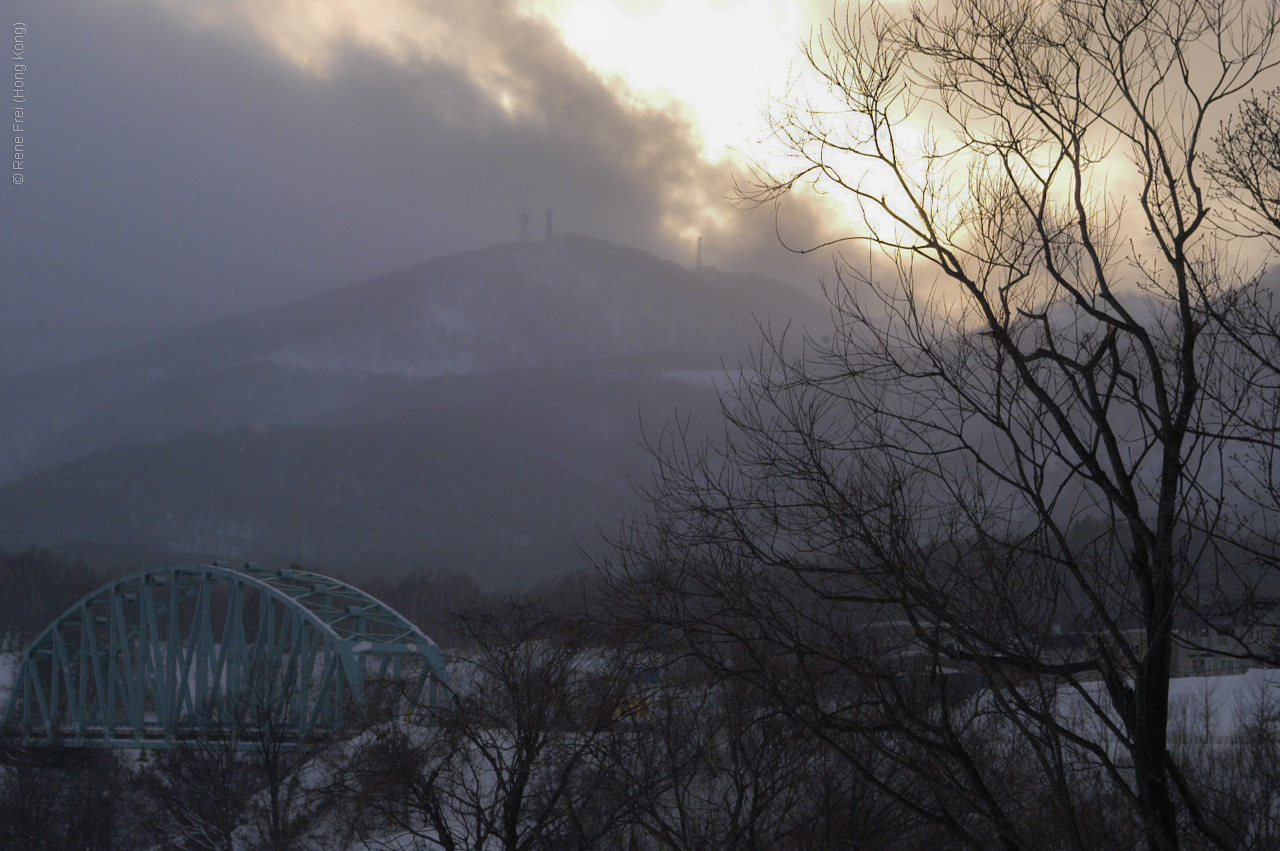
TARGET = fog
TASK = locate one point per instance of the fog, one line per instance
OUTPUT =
(181, 166)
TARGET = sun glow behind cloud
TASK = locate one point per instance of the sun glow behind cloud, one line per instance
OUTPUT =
(718, 63)
(472, 38)
(687, 86)
(673, 92)
(446, 117)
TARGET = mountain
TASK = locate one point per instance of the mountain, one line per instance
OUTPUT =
(480, 411)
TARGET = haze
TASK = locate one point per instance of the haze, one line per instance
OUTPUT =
(187, 160)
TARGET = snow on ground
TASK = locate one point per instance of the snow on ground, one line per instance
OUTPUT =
(8, 673)
(1219, 708)
(1200, 708)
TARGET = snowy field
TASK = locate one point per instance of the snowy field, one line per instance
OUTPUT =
(8, 673)
(1221, 706)
(1200, 708)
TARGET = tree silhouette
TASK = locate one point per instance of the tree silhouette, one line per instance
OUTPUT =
(964, 535)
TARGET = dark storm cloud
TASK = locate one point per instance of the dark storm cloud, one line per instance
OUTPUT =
(208, 159)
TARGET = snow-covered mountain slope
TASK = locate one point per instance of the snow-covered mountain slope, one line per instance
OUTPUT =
(517, 306)
(482, 411)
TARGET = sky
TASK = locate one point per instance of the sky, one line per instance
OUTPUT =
(186, 159)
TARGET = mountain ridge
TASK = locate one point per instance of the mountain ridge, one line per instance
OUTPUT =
(511, 306)
(481, 411)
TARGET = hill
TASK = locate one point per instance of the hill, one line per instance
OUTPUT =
(480, 411)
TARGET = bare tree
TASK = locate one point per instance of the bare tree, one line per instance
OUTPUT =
(704, 764)
(197, 795)
(1015, 476)
(1247, 166)
(245, 777)
(515, 763)
(54, 798)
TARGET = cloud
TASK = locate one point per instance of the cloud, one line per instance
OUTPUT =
(520, 72)
(206, 157)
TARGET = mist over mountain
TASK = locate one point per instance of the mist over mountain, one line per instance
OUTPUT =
(480, 411)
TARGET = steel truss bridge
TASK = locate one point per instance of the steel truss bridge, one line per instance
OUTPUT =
(212, 653)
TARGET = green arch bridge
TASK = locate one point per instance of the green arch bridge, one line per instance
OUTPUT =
(208, 652)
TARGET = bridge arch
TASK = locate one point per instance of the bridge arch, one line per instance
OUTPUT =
(209, 651)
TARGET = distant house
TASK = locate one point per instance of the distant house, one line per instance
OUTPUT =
(1230, 648)
(1221, 649)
